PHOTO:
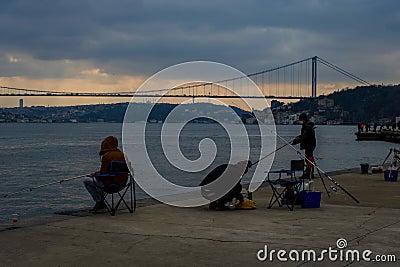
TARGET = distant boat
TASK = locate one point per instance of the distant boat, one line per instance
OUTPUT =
(388, 136)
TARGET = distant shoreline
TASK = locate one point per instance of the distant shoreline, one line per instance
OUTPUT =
(90, 122)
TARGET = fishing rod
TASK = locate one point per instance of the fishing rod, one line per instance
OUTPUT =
(44, 185)
(319, 169)
(254, 163)
(323, 183)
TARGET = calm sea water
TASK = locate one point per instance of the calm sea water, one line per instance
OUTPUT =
(34, 154)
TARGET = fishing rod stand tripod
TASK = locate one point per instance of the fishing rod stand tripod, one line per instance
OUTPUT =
(322, 180)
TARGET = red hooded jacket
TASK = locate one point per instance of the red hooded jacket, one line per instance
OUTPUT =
(109, 151)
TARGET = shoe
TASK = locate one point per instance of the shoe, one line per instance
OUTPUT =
(98, 207)
(102, 206)
(95, 207)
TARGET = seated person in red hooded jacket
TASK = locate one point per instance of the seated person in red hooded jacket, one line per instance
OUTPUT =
(109, 151)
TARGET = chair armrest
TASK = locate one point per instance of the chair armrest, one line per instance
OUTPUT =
(102, 177)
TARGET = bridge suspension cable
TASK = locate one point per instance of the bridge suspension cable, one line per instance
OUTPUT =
(255, 74)
(32, 90)
(342, 71)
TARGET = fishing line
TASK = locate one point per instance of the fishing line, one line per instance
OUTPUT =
(254, 163)
(44, 185)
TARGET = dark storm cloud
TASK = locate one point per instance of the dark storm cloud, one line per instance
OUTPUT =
(141, 37)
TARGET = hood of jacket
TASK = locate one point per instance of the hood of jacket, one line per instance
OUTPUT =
(110, 143)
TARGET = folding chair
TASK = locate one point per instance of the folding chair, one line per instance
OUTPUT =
(119, 171)
(287, 186)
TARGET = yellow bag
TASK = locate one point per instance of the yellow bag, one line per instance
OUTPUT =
(247, 204)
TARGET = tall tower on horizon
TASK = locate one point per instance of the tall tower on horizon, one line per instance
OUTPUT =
(21, 103)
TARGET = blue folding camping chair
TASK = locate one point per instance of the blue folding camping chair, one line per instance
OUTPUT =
(114, 184)
(285, 190)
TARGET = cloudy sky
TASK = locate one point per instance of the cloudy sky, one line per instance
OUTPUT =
(102, 45)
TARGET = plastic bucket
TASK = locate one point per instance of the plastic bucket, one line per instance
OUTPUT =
(310, 199)
(364, 168)
(390, 175)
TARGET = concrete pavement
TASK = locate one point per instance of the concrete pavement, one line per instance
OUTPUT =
(160, 235)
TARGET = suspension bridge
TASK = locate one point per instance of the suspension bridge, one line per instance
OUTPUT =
(297, 80)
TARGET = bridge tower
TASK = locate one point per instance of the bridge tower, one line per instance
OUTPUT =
(314, 76)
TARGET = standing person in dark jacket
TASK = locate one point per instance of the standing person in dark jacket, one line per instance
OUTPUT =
(307, 142)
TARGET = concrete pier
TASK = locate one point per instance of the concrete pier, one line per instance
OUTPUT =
(385, 135)
(160, 235)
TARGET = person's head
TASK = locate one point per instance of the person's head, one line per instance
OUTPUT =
(303, 117)
(109, 143)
